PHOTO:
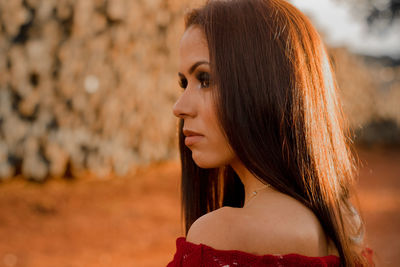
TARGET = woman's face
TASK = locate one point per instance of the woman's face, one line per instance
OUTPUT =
(196, 107)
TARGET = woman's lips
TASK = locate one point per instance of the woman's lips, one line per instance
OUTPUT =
(192, 137)
(191, 140)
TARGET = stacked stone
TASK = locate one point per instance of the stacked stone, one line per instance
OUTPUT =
(370, 93)
(87, 85)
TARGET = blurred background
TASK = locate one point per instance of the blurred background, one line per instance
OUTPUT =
(89, 171)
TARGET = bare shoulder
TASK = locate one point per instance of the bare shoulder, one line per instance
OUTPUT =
(285, 226)
(275, 224)
(213, 229)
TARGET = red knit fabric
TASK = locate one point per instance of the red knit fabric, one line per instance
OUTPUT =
(193, 255)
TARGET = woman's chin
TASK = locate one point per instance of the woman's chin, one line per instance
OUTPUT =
(212, 158)
(204, 164)
(207, 162)
(202, 161)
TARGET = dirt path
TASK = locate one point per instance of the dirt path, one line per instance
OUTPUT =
(134, 222)
(115, 222)
(379, 195)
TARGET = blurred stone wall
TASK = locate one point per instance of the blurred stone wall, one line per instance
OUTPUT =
(87, 85)
(370, 93)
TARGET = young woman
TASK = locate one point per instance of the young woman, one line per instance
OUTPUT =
(266, 171)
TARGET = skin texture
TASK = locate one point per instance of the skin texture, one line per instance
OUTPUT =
(196, 104)
(271, 222)
(196, 107)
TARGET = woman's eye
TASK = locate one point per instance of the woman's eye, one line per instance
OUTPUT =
(204, 79)
(183, 83)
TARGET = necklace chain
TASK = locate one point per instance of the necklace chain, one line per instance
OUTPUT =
(255, 192)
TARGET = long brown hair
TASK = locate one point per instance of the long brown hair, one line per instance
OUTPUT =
(277, 105)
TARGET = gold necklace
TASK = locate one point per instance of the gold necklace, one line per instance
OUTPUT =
(254, 193)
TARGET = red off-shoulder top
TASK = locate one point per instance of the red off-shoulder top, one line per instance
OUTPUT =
(194, 255)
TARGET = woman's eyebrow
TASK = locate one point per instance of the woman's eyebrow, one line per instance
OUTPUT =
(194, 66)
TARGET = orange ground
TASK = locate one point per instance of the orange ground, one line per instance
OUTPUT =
(134, 222)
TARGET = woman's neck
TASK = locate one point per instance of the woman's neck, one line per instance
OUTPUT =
(249, 180)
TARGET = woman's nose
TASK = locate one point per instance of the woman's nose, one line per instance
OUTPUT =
(183, 107)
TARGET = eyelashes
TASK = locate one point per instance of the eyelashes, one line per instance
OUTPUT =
(202, 77)
(183, 82)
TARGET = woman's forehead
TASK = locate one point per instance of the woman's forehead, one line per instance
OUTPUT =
(193, 47)
(195, 34)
